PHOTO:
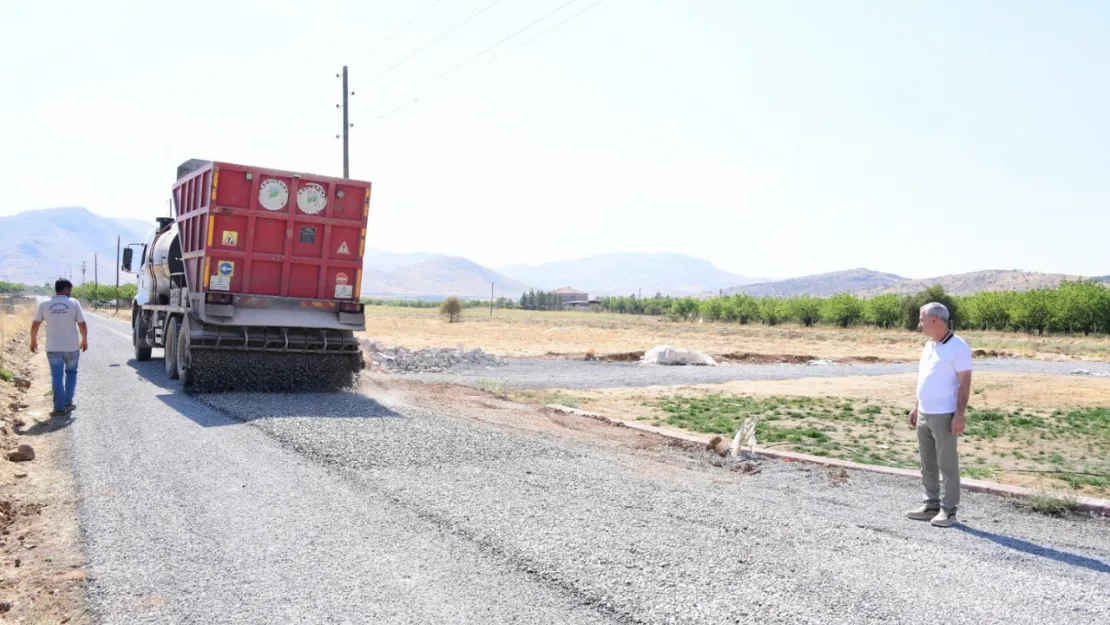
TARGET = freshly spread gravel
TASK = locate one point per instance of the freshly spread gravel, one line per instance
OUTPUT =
(541, 373)
(332, 508)
(665, 537)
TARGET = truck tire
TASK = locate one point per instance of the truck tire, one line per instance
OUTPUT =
(138, 338)
(170, 341)
(181, 350)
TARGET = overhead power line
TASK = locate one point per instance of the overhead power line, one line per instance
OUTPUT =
(460, 65)
(393, 34)
(529, 40)
(437, 39)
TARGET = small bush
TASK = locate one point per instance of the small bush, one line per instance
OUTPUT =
(452, 309)
(1051, 504)
(563, 399)
(6, 375)
(495, 387)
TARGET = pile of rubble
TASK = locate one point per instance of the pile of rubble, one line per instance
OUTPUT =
(427, 360)
(1096, 374)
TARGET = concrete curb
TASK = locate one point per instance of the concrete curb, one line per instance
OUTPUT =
(1086, 504)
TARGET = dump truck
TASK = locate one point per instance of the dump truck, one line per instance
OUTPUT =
(253, 282)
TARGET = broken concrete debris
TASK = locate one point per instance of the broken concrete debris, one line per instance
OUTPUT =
(427, 360)
(1096, 374)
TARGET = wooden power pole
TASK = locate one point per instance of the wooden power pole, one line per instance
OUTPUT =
(346, 128)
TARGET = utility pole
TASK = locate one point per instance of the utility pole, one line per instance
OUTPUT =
(117, 274)
(346, 127)
(96, 282)
(490, 299)
(83, 263)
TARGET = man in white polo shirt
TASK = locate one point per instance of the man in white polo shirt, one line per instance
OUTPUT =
(64, 319)
(943, 388)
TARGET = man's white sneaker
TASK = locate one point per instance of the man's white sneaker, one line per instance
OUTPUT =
(944, 518)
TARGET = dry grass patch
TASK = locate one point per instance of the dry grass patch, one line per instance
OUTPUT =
(535, 334)
(1030, 430)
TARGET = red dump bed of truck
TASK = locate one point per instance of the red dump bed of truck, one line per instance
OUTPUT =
(254, 231)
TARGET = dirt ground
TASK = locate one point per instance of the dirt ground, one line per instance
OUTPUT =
(42, 570)
(1004, 459)
(520, 333)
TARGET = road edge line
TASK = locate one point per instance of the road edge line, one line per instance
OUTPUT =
(1085, 504)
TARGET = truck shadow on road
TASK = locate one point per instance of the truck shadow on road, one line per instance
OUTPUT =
(1038, 550)
(223, 409)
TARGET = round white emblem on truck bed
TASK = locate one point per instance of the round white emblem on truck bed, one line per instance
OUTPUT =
(273, 195)
(311, 198)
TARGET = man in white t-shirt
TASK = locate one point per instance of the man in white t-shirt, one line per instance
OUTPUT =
(63, 317)
(943, 388)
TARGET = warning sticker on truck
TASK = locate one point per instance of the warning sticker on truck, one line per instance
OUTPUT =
(226, 268)
(231, 238)
(343, 249)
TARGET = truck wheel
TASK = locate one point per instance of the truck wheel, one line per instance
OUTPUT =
(170, 342)
(138, 338)
(181, 350)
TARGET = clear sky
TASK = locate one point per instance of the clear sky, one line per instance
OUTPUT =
(772, 138)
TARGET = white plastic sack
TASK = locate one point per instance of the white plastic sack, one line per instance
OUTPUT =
(667, 355)
(745, 436)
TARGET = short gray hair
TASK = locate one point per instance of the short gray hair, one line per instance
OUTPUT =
(936, 309)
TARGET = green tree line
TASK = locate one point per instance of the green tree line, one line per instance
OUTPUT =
(540, 300)
(14, 287)
(104, 292)
(1073, 307)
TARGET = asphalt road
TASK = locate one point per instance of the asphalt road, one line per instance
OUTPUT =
(338, 509)
(527, 373)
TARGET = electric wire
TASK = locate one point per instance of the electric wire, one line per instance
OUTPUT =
(408, 102)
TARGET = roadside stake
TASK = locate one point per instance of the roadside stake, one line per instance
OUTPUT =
(1085, 504)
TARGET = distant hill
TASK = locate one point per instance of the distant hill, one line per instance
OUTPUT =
(1103, 279)
(379, 260)
(38, 246)
(624, 274)
(439, 276)
(823, 284)
(869, 283)
(979, 281)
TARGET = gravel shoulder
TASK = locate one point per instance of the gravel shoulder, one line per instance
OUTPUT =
(570, 374)
(413, 502)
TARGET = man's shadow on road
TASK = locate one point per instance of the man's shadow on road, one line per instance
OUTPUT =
(53, 424)
(211, 410)
(1025, 546)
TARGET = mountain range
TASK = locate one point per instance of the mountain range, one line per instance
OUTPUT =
(431, 276)
(869, 283)
(624, 274)
(37, 246)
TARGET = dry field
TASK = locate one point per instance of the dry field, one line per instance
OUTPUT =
(1041, 431)
(527, 333)
(41, 564)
